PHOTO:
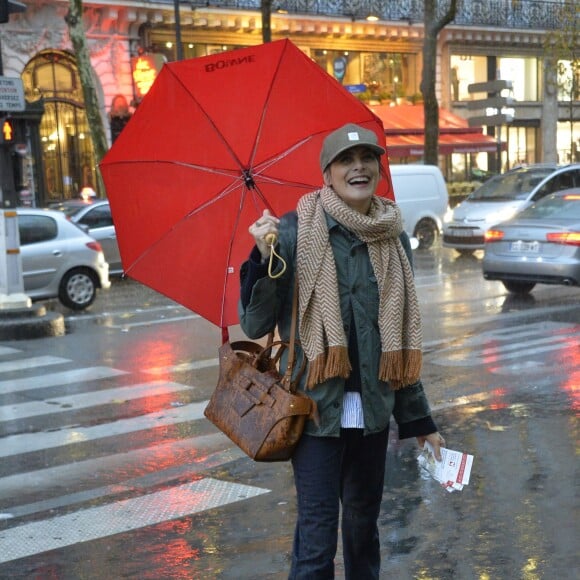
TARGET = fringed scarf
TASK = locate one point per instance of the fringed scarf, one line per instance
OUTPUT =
(321, 327)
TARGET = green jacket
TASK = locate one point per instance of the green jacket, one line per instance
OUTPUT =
(270, 305)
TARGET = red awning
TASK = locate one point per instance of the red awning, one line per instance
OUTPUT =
(405, 132)
(414, 145)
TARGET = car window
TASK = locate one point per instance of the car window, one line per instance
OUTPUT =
(97, 217)
(70, 210)
(36, 228)
(510, 186)
(564, 180)
(554, 206)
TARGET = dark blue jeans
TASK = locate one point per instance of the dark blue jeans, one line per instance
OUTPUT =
(328, 471)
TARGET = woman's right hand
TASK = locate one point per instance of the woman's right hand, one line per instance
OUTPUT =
(262, 229)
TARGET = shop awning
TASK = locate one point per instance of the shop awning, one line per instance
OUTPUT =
(414, 145)
(405, 132)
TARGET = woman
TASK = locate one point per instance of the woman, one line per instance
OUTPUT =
(359, 327)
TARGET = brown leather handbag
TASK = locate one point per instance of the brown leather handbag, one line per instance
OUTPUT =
(258, 408)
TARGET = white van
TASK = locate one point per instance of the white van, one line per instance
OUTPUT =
(421, 193)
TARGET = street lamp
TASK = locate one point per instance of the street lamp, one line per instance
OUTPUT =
(179, 47)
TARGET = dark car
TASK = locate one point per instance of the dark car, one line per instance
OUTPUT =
(539, 245)
(95, 218)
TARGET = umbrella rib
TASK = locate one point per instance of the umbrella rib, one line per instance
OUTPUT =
(203, 168)
(265, 107)
(230, 248)
(265, 165)
(209, 119)
(226, 191)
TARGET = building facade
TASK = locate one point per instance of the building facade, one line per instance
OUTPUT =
(374, 48)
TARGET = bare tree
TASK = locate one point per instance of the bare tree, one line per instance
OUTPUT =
(74, 20)
(434, 22)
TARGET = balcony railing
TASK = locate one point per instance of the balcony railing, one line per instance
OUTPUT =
(512, 14)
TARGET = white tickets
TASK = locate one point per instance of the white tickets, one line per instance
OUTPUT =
(452, 472)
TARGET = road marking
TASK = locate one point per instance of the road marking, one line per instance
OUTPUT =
(500, 317)
(29, 442)
(121, 516)
(127, 325)
(430, 280)
(126, 313)
(133, 471)
(31, 363)
(465, 400)
(4, 350)
(476, 350)
(86, 400)
(140, 467)
(57, 379)
(191, 366)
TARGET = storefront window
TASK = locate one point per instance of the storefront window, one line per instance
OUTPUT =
(568, 142)
(386, 76)
(67, 153)
(523, 72)
(521, 145)
(468, 69)
(568, 81)
(190, 50)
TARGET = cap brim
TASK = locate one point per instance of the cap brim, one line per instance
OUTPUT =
(373, 146)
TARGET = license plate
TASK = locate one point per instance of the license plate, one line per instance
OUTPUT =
(463, 233)
(525, 247)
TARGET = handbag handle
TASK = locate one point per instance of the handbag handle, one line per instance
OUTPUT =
(259, 352)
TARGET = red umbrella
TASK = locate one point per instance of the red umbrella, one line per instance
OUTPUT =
(215, 141)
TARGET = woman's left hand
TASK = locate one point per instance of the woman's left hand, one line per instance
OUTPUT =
(436, 441)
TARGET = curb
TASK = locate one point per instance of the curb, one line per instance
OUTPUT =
(33, 322)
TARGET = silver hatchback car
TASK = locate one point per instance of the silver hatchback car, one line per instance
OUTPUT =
(94, 216)
(59, 260)
(539, 245)
(499, 199)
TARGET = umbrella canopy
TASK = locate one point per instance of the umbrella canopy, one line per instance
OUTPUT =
(216, 141)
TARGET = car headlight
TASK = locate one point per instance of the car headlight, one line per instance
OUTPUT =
(501, 216)
(448, 217)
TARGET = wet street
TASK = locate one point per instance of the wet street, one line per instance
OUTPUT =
(109, 470)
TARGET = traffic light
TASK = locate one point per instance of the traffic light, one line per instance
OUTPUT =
(7, 130)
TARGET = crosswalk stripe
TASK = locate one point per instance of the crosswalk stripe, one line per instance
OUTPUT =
(86, 400)
(183, 318)
(507, 317)
(4, 350)
(31, 363)
(56, 379)
(187, 456)
(473, 360)
(129, 469)
(122, 516)
(507, 344)
(29, 442)
(191, 366)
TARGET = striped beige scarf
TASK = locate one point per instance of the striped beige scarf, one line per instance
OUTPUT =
(321, 327)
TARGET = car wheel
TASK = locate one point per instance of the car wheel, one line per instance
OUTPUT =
(426, 232)
(518, 287)
(78, 289)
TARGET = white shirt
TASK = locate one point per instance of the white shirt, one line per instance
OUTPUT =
(352, 411)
